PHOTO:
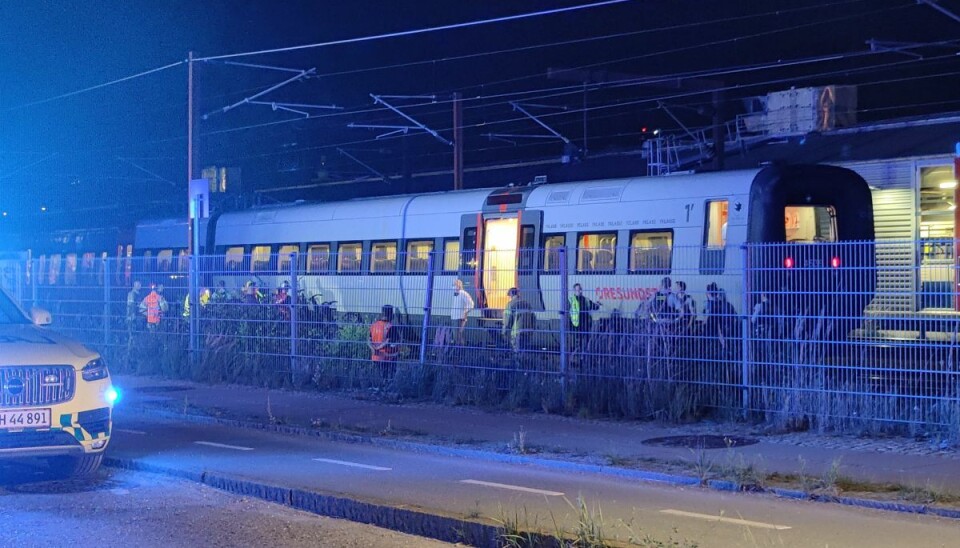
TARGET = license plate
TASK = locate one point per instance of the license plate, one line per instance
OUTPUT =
(25, 418)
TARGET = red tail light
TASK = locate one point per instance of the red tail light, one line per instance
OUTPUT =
(835, 262)
(788, 262)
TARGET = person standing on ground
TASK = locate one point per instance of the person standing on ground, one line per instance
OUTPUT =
(133, 302)
(580, 319)
(382, 340)
(459, 309)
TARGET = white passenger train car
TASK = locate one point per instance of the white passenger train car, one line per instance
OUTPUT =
(620, 238)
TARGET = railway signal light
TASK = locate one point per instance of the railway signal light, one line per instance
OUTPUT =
(788, 262)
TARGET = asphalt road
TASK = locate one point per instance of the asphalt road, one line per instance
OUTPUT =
(122, 508)
(522, 494)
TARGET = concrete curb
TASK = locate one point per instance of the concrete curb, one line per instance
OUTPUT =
(490, 456)
(421, 524)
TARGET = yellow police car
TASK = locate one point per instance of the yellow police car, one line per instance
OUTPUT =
(56, 398)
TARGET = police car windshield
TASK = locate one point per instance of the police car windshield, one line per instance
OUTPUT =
(9, 313)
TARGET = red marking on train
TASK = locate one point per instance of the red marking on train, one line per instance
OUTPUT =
(625, 293)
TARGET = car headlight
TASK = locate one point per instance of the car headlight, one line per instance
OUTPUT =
(95, 370)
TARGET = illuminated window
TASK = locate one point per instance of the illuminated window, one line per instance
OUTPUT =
(285, 255)
(551, 251)
(597, 252)
(418, 255)
(348, 257)
(318, 258)
(650, 251)
(183, 261)
(451, 255)
(810, 223)
(164, 260)
(234, 258)
(716, 228)
(41, 268)
(70, 269)
(147, 261)
(383, 257)
(54, 271)
(260, 258)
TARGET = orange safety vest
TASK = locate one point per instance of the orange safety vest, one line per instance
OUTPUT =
(383, 349)
(153, 307)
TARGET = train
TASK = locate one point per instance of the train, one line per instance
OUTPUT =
(778, 229)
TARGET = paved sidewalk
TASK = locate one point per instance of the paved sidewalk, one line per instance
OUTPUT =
(920, 464)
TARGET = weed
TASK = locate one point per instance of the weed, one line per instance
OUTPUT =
(617, 460)
(520, 441)
(702, 464)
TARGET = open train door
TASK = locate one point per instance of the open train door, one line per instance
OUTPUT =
(499, 252)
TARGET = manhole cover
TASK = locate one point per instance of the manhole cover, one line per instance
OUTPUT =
(701, 442)
(42, 485)
(161, 389)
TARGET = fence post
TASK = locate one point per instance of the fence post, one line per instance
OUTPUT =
(294, 329)
(427, 307)
(194, 301)
(564, 313)
(34, 281)
(745, 329)
(107, 316)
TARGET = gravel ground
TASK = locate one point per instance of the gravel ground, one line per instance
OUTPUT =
(123, 508)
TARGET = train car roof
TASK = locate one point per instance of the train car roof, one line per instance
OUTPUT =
(165, 233)
(699, 185)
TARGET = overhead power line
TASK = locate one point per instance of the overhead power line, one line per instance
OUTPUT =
(414, 32)
(98, 86)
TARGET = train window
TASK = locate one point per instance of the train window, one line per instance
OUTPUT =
(146, 263)
(260, 258)
(597, 252)
(468, 253)
(715, 230)
(810, 223)
(383, 257)
(528, 252)
(233, 260)
(650, 252)
(418, 255)
(552, 244)
(285, 256)
(348, 257)
(451, 254)
(54, 272)
(318, 258)
(164, 260)
(183, 261)
(70, 269)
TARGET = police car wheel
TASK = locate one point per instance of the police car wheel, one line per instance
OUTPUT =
(72, 467)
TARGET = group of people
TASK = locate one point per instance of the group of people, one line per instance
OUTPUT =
(667, 312)
(154, 307)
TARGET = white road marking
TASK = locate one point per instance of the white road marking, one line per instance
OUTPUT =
(513, 487)
(353, 464)
(126, 431)
(224, 446)
(722, 519)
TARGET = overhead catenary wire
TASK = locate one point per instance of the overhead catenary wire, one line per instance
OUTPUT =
(95, 87)
(414, 32)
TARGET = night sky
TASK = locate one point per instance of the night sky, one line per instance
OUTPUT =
(118, 153)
